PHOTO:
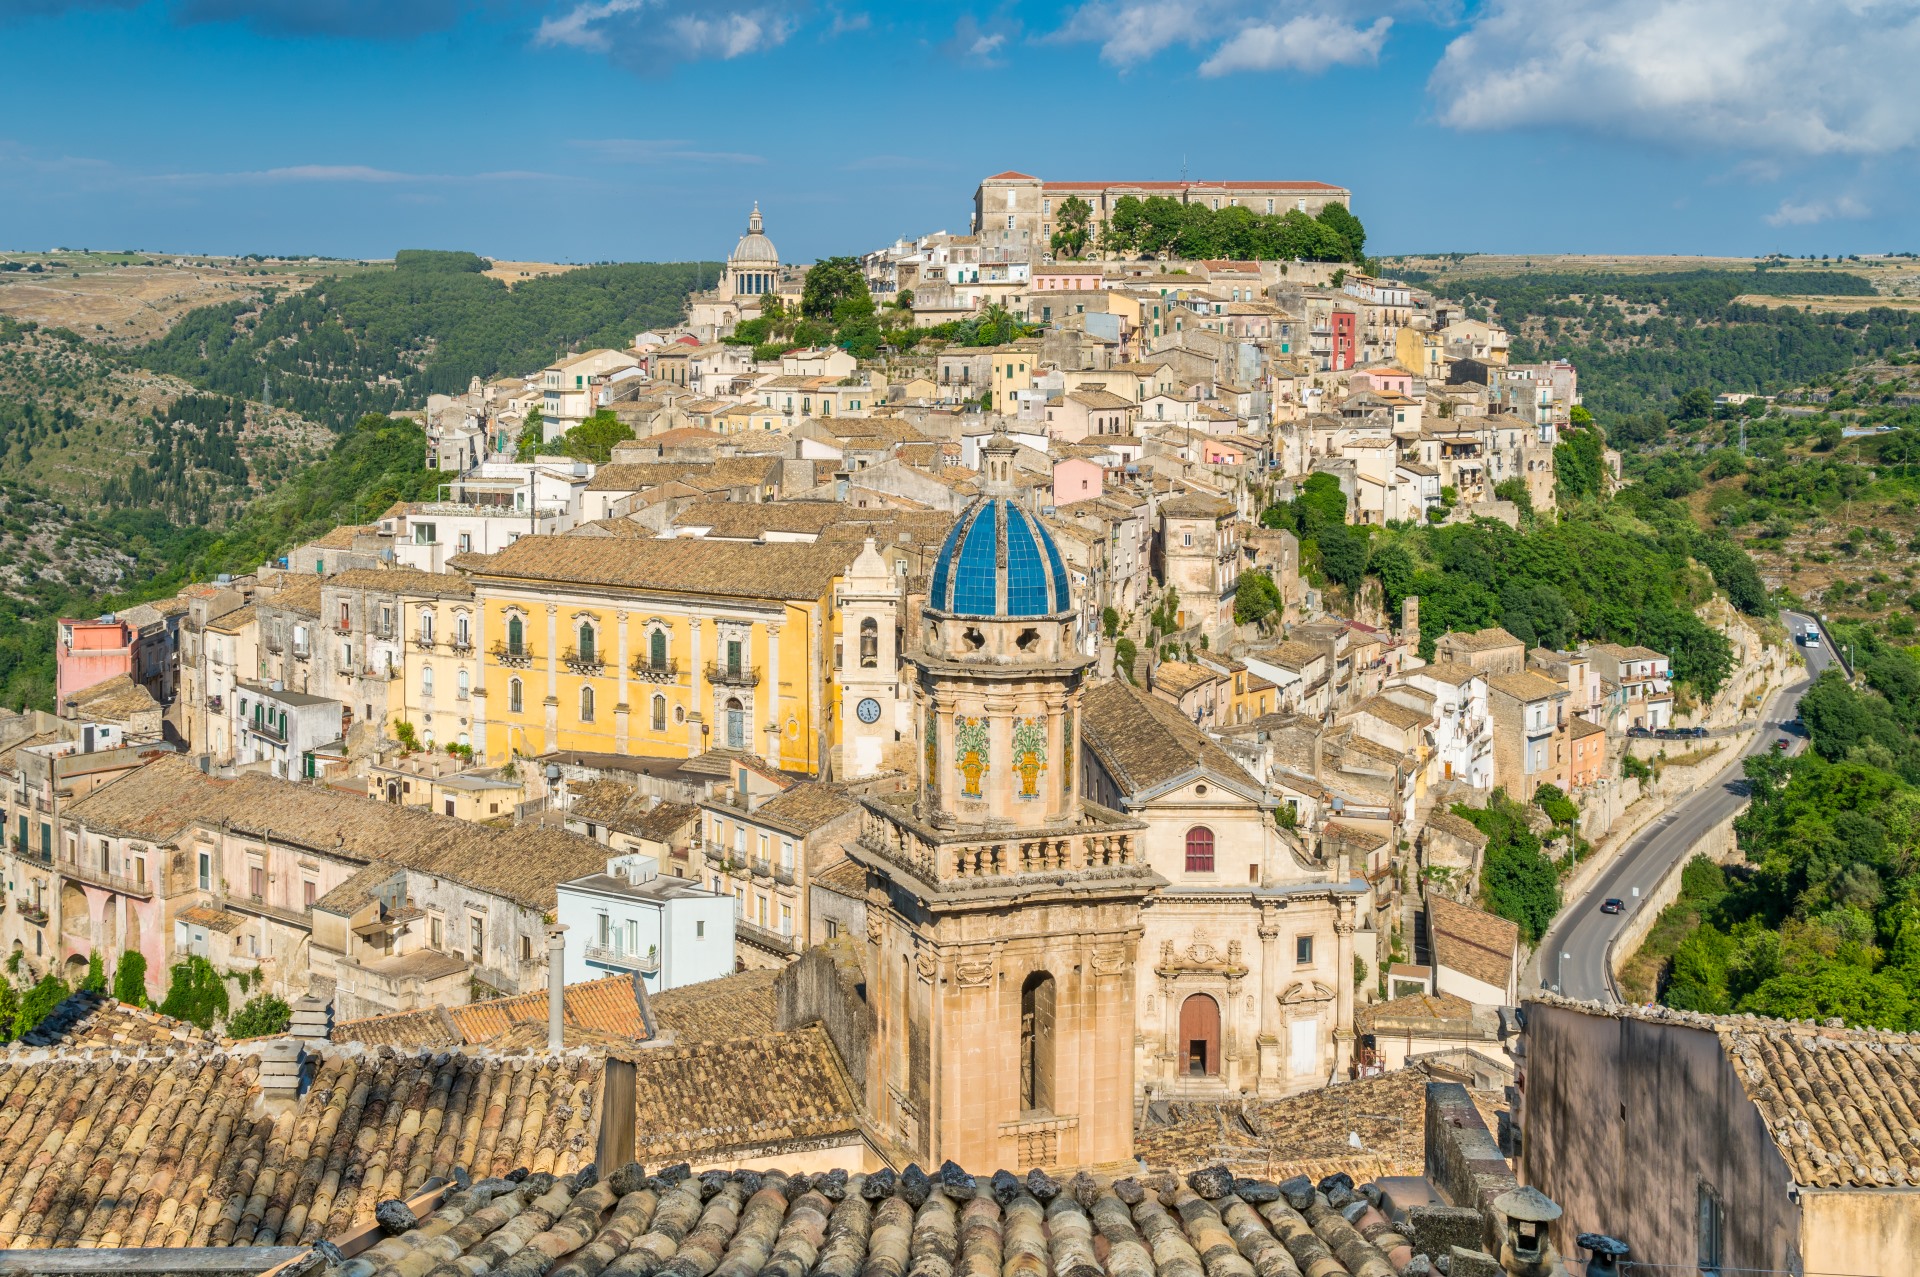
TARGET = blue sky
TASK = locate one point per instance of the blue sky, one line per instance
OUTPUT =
(585, 130)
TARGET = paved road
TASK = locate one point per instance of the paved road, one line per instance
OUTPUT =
(1573, 956)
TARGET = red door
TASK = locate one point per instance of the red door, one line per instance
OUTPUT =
(1200, 1036)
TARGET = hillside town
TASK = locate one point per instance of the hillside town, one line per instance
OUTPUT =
(875, 763)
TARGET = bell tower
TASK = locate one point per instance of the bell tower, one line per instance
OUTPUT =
(1003, 909)
(873, 718)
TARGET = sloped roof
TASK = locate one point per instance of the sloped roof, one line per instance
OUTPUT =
(715, 1010)
(1472, 941)
(175, 1150)
(1144, 742)
(683, 565)
(609, 1006)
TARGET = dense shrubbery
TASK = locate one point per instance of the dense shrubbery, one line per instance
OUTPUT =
(263, 1016)
(1605, 574)
(1163, 225)
(1517, 881)
(1826, 922)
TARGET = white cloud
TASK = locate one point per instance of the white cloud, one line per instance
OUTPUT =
(1811, 212)
(331, 173)
(654, 35)
(981, 44)
(1307, 43)
(1245, 35)
(1773, 76)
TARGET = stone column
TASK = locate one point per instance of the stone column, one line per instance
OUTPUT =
(1269, 1041)
(479, 692)
(769, 702)
(552, 703)
(1343, 981)
(1232, 1066)
(1169, 1030)
(620, 710)
(696, 683)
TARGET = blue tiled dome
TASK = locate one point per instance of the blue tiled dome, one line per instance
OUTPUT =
(999, 561)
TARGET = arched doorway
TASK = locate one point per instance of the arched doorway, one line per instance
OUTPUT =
(393, 792)
(1200, 1036)
(1036, 1043)
(736, 723)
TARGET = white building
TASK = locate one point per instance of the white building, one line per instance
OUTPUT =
(280, 731)
(669, 930)
(1461, 730)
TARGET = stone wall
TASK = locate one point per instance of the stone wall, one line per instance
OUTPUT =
(1463, 1160)
(827, 985)
(1717, 844)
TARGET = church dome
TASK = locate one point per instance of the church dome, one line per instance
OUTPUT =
(754, 248)
(999, 562)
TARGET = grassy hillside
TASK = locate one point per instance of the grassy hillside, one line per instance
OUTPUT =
(376, 341)
(1642, 341)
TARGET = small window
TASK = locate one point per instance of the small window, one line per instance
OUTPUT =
(436, 932)
(1712, 1231)
(586, 704)
(1200, 850)
(513, 695)
(477, 934)
(700, 928)
(1303, 950)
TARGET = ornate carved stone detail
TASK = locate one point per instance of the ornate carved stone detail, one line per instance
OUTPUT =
(1109, 959)
(1305, 991)
(973, 973)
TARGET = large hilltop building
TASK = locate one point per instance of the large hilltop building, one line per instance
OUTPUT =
(753, 273)
(1015, 211)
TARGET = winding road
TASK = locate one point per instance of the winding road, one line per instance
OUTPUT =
(1573, 954)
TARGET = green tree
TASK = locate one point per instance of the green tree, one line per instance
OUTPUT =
(38, 1004)
(9, 1010)
(130, 978)
(1070, 226)
(1255, 598)
(532, 436)
(831, 281)
(1343, 554)
(1353, 236)
(195, 993)
(96, 977)
(1516, 491)
(1553, 801)
(1110, 622)
(1125, 653)
(593, 439)
(262, 1016)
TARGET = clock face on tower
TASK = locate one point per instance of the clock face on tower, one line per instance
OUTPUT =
(868, 709)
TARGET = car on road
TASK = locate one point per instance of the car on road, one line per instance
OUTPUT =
(1780, 744)
(1614, 905)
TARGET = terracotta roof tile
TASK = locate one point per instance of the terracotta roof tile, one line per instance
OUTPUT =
(715, 1010)
(684, 565)
(1143, 741)
(1471, 941)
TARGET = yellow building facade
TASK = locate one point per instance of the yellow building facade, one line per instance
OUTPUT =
(657, 649)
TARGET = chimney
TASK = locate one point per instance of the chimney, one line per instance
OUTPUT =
(282, 1062)
(1528, 1250)
(556, 985)
(312, 1020)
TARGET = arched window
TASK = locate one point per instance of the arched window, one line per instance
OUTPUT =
(659, 713)
(516, 636)
(1036, 1043)
(657, 649)
(1200, 1036)
(869, 644)
(513, 695)
(1199, 850)
(586, 704)
(586, 642)
(460, 628)
(460, 684)
(426, 627)
(736, 724)
(426, 683)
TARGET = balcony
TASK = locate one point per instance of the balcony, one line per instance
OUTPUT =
(424, 642)
(761, 867)
(32, 912)
(302, 653)
(589, 663)
(139, 888)
(647, 672)
(461, 646)
(601, 956)
(260, 727)
(730, 675)
(274, 645)
(765, 937)
(258, 908)
(516, 658)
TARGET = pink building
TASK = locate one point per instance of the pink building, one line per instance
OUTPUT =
(1076, 479)
(1392, 381)
(91, 652)
(1085, 279)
